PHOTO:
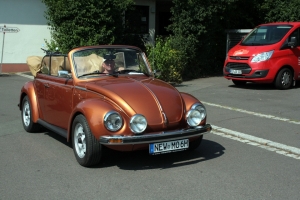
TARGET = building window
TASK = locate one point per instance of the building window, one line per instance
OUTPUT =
(137, 20)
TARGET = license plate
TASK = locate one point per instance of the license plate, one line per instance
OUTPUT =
(167, 147)
(235, 71)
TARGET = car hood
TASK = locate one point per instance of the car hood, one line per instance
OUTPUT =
(158, 101)
(241, 51)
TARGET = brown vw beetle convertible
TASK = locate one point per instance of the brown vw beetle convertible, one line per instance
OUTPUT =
(107, 96)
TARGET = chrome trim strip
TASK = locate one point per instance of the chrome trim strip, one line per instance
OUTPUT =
(165, 118)
(80, 88)
(157, 137)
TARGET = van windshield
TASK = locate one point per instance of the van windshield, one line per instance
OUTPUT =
(266, 35)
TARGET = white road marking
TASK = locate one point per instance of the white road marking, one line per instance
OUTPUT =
(24, 75)
(253, 113)
(258, 142)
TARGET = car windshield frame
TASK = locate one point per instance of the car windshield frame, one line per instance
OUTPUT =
(266, 35)
(88, 62)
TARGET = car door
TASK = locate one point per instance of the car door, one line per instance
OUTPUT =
(55, 93)
(40, 83)
(58, 101)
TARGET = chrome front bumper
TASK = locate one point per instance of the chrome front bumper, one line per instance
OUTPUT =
(155, 137)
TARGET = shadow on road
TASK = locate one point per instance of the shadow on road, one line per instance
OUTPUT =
(57, 137)
(141, 160)
(256, 86)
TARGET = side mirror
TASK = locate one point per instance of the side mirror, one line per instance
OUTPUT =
(63, 73)
(293, 42)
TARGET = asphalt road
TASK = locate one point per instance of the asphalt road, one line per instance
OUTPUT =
(253, 152)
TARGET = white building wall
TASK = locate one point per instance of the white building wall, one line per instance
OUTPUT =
(28, 16)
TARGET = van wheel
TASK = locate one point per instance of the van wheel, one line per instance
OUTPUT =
(87, 149)
(284, 79)
(239, 83)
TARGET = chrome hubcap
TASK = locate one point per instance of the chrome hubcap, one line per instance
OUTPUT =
(286, 78)
(79, 141)
(26, 114)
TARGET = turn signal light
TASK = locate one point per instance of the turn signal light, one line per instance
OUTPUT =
(115, 140)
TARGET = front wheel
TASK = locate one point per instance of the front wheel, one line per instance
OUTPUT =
(284, 79)
(87, 150)
(26, 114)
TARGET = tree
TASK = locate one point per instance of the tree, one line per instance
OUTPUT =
(280, 10)
(198, 30)
(80, 23)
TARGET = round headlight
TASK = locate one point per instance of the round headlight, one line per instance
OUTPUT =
(196, 115)
(201, 109)
(193, 117)
(138, 123)
(113, 121)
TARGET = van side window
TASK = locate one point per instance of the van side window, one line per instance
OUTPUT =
(293, 34)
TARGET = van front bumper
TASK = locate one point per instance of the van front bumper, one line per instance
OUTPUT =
(255, 74)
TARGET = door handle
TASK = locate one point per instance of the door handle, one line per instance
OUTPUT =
(46, 85)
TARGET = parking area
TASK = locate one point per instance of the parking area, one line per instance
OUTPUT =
(227, 165)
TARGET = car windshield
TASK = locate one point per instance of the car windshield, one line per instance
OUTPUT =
(114, 61)
(266, 35)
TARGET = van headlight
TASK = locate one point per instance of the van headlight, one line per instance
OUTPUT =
(138, 123)
(113, 121)
(262, 56)
(195, 116)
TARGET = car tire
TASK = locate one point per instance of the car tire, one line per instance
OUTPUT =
(239, 83)
(26, 115)
(284, 79)
(196, 143)
(87, 149)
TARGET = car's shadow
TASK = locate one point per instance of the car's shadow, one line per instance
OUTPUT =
(141, 160)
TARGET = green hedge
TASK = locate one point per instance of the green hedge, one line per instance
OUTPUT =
(166, 59)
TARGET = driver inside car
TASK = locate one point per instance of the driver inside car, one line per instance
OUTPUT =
(109, 64)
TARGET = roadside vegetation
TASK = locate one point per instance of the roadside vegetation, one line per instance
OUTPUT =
(196, 46)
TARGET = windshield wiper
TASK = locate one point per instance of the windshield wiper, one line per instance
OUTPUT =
(253, 44)
(92, 73)
(128, 71)
(97, 72)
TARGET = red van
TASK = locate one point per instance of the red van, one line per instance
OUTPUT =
(270, 53)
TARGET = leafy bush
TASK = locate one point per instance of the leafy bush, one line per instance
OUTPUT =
(166, 59)
(198, 31)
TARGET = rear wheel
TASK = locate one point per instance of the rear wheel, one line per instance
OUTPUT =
(87, 150)
(26, 114)
(239, 83)
(196, 143)
(284, 79)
